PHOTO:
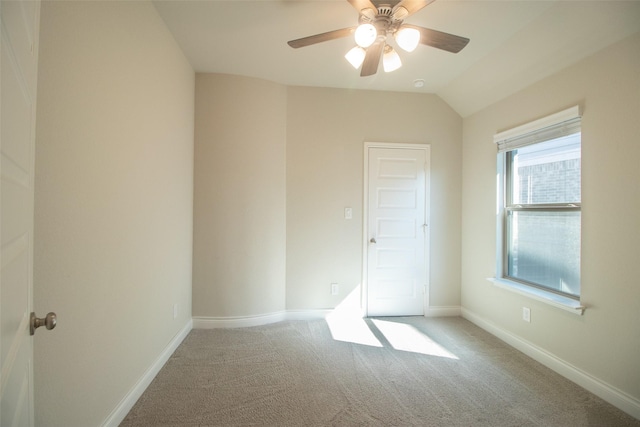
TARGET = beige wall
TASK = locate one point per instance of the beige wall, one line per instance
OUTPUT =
(326, 131)
(604, 342)
(239, 207)
(113, 203)
(249, 133)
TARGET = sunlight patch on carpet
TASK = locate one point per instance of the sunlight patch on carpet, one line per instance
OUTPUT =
(346, 323)
(350, 328)
(405, 337)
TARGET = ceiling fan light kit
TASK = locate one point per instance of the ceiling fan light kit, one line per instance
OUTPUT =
(378, 21)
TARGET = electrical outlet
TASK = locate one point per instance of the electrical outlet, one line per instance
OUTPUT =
(175, 311)
(526, 314)
(334, 289)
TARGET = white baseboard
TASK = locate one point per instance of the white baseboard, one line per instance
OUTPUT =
(317, 314)
(200, 322)
(443, 311)
(606, 392)
(122, 409)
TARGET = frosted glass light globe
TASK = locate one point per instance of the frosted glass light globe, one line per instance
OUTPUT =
(356, 56)
(391, 60)
(408, 38)
(365, 35)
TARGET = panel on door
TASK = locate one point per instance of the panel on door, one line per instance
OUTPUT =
(18, 80)
(396, 219)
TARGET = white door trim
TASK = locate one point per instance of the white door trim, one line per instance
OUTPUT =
(365, 217)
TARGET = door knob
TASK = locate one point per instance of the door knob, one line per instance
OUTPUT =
(49, 322)
(373, 240)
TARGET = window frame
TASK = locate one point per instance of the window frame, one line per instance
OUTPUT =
(507, 142)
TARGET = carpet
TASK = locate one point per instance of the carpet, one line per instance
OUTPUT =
(409, 371)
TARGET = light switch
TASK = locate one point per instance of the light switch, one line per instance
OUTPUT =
(348, 213)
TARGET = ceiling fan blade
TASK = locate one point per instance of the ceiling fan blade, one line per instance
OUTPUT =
(438, 39)
(372, 59)
(361, 5)
(411, 6)
(323, 37)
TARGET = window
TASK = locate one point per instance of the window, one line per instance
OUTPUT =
(539, 205)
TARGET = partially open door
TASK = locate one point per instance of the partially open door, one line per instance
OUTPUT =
(19, 49)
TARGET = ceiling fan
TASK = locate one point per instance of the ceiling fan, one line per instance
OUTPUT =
(378, 21)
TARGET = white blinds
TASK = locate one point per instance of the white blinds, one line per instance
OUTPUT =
(563, 123)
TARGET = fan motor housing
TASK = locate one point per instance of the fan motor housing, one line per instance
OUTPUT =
(385, 9)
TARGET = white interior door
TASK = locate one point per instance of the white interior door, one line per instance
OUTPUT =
(396, 230)
(18, 75)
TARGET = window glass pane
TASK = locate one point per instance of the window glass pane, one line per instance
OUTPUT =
(544, 249)
(547, 172)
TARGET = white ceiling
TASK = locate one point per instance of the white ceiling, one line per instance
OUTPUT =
(513, 43)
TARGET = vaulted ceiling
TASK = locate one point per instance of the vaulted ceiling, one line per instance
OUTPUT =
(513, 43)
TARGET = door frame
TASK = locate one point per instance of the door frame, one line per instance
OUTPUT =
(365, 218)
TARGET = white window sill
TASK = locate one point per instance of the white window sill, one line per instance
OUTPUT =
(550, 298)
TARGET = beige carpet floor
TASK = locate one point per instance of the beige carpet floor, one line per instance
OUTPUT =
(410, 371)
